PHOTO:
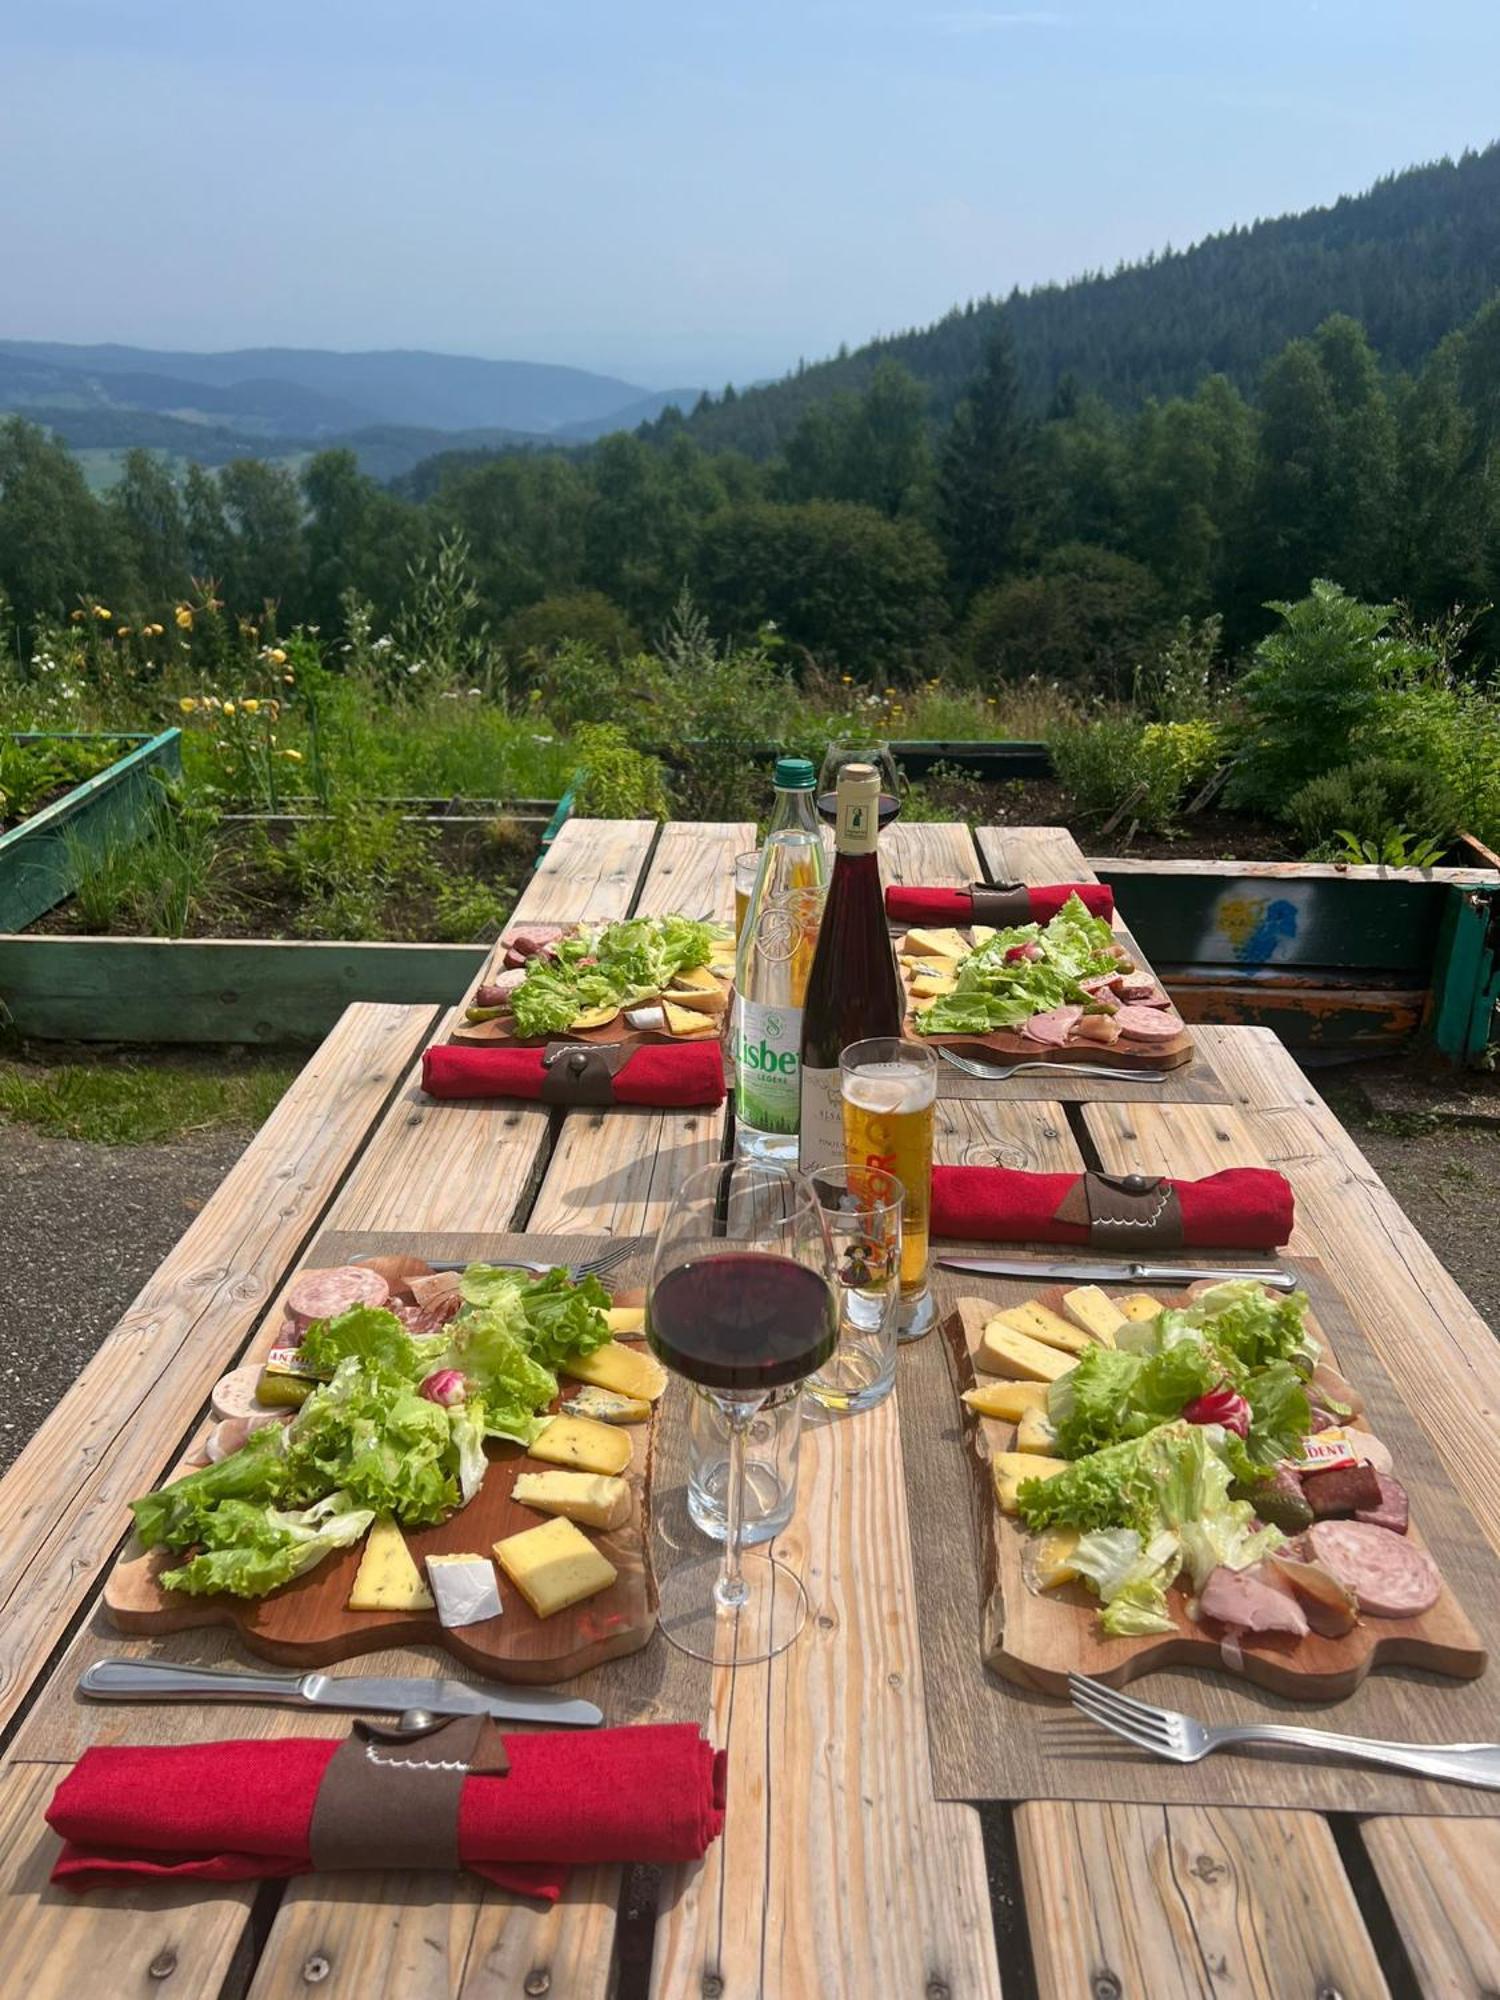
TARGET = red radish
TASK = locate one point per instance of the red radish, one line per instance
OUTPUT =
(1221, 1406)
(446, 1386)
(1030, 950)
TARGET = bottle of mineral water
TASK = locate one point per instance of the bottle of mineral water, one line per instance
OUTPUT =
(775, 957)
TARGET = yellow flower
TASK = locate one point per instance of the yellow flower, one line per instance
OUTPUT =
(251, 706)
(122, 631)
(229, 708)
(102, 611)
(890, 691)
(289, 678)
(277, 656)
(847, 679)
(75, 616)
(292, 756)
(989, 701)
(184, 615)
(187, 705)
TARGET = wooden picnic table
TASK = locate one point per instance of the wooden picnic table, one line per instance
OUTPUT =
(841, 1871)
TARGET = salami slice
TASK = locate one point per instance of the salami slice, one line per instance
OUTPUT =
(1137, 991)
(233, 1395)
(1393, 1512)
(321, 1294)
(1140, 1023)
(1390, 1577)
(495, 992)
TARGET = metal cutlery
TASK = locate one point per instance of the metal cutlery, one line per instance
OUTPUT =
(1165, 1732)
(1101, 1271)
(1002, 1072)
(160, 1680)
(588, 1267)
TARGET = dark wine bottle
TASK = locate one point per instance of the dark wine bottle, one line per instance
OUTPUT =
(854, 990)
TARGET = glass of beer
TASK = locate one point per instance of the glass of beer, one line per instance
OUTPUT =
(745, 867)
(889, 1089)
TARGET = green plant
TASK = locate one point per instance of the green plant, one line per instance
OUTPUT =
(469, 910)
(31, 772)
(1366, 798)
(582, 683)
(1177, 683)
(161, 884)
(137, 1104)
(1395, 848)
(718, 701)
(617, 781)
(1118, 768)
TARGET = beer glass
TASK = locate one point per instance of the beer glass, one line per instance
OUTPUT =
(745, 868)
(889, 1089)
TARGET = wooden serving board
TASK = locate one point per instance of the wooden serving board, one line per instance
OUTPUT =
(617, 1033)
(1038, 1637)
(308, 1623)
(1010, 1045)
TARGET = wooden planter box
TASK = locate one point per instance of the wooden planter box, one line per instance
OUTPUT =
(1339, 961)
(39, 858)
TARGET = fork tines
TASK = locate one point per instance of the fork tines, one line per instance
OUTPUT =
(1160, 1730)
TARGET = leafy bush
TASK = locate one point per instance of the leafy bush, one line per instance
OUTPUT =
(578, 617)
(582, 684)
(470, 911)
(31, 772)
(1368, 798)
(1083, 620)
(1178, 682)
(617, 781)
(160, 885)
(1395, 848)
(718, 701)
(1143, 771)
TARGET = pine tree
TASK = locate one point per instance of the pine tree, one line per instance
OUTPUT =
(985, 475)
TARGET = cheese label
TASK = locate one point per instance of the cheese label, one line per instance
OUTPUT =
(1325, 1451)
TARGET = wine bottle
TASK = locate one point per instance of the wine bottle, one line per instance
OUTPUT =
(854, 991)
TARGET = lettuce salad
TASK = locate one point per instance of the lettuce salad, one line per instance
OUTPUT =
(369, 1441)
(620, 965)
(1152, 1494)
(1023, 970)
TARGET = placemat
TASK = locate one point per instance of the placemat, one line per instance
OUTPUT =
(1196, 1082)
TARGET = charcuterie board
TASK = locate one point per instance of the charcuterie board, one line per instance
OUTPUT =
(1037, 1637)
(307, 1623)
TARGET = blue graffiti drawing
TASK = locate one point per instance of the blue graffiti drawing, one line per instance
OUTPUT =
(1278, 921)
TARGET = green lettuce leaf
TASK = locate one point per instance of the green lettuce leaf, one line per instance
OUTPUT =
(370, 1335)
(995, 991)
(1280, 1414)
(249, 1550)
(1140, 1608)
(1130, 1577)
(467, 1427)
(545, 1002)
(491, 1347)
(494, 1288)
(1244, 1320)
(378, 1440)
(564, 1319)
(174, 1516)
(1090, 1405)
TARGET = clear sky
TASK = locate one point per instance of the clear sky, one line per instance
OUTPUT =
(679, 193)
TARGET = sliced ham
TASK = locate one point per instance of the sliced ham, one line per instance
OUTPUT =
(1390, 1577)
(1329, 1606)
(1140, 1023)
(1054, 1027)
(1140, 992)
(529, 939)
(1097, 1028)
(1247, 1600)
(1394, 1510)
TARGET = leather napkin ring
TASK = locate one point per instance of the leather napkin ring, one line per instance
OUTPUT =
(582, 1073)
(1000, 903)
(390, 1797)
(1125, 1211)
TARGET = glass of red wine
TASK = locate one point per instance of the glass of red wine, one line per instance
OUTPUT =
(741, 1302)
(840, 754)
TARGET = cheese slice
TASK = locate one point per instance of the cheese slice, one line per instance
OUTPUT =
(695, 1001)
(626, 1319)
(388, 1578)
(466, 1590)
(1037, 1323)
(1011, 1469)
(941, 944)
(1007, 1400)
(684, 1024)
(1140, 1305)
(1003, 1351)
(582, 1445)
(1051, 1558)
(982, 933)
(1036, 1432)
(605, 1407)
(627, 1370)
(1096, 1312)
(932, 986)
(554, 1566)
(699, 979)
(581, 1496)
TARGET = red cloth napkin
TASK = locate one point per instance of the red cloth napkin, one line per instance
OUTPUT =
(1242, 1208)
(670, 1076)
(907, 905)
(233, 1812)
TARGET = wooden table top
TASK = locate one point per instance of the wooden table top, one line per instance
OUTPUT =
(841, 1872)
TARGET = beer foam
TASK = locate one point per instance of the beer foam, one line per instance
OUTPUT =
(891, 1087)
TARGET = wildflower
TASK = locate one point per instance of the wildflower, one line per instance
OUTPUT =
(989, 701)
(75, 616)
(292, 756)
(122, 631)
(890, 691)
(250, 705)
(273, 709)
(103, 611)
(229, 708)
(847, 679)
(184, 617)
(415, 667)
(277, 656)
(289, 678)
(188, 705)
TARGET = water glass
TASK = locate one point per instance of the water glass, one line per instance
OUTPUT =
(862, 1209)
(772, 1447)
(889, 1090)
(746, 867)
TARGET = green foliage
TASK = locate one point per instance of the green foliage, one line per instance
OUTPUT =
(32, 773)
(985, 475)
(539, 631)
(582, 683)
(1395, 848)
(617, 781)
(1084, 619)
(716, 702)
(469, 911)
(1367, 798)
(1144, 773)
(138, 1104)
(160, 885)
(1179, 682)
(344, 864)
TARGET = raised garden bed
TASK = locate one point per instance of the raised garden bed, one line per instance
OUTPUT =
(40, 857)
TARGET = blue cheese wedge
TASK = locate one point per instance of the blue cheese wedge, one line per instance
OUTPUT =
(465, 1589)
(607, 1406)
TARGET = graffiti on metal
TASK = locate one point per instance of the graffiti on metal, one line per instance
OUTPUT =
(1246, 925)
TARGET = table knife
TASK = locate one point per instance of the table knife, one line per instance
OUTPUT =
(1116, 1274)
(160, 1680)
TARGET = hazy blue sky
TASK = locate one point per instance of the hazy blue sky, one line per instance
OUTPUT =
(676, 192)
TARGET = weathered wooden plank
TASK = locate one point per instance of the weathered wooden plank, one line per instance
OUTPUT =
(1439, 1879)
(1143, 1903)
(619, 1170)
(930, 854)
(155, 1937)
(124, 1419)
(1109, 865)
(1032, 854)
(692, 869)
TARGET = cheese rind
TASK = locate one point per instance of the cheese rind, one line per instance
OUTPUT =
(626, 1370)
(554, 1566)
(1095, 1311)
(581, 1445)
(1003, 1351)
(1007, 1400)
(596, 1501)
(1052, 1558)
(938, 944)
(465, 1588)
(388, 1578)
(606, 1407)
(1040, 1323)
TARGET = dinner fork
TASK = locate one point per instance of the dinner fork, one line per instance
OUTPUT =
(587, 1267)
(999, 1072)
(1183, 1740)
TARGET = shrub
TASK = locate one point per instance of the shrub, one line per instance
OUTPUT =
(1368, 798)
(580, 617)
(1145, 771)
(718, 701)
(581, 684)
(616, 780)
(1084, 619)
(1178, 682)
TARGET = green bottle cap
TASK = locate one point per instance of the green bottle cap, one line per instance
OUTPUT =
(794, 774)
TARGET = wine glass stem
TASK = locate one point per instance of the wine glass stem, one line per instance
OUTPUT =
(730, 1592)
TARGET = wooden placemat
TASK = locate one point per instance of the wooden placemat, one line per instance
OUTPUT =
(1197, 1082)
(993, 1740)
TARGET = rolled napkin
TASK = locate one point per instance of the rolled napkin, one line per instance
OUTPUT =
(1241, 1208)
(671, 1076)
(994, 903)
(519, 1814)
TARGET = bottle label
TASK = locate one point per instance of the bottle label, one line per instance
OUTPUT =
(858, 821)
(767, 1088)
(822, 1135)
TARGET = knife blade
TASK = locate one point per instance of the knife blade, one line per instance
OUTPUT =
(1118, 1274)
(161, 1680)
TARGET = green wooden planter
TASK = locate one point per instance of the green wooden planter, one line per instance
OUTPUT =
(39, 859)
(214, 989)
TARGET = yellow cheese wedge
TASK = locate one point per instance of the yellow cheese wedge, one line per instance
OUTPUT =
(1037, 1323)
(625, 1319)
(629, 1371)
(580, 1496)
(1051, 1558)
(681, 1022)
(554, 1566)
(605, 1407)
(699, 979)
(1003, 1351)
(1140, 1305)
(722, 966)
(928, 986)
(982, 933)
(582, 1445)
(1007, 1400)
(592, 1017)
(388, 1579)
(714, 1001)
(1095, 1311)
(1011, 1469)
(1036, 1432)
(942, 944)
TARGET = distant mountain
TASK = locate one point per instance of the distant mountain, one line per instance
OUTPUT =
(1412, 258)
(586, 429)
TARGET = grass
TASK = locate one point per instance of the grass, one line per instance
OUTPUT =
(138, 1103)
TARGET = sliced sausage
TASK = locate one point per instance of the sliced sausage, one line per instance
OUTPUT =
(1394, 1511)
(1390, 1577)
(398, 1272)
(495, 992)
(1329, 1606)
(440, 1285)
(529, 939)
(1053, 1028)
(233, 1395)
(1342, 1491)
(322, 1294)
(1137, 991)
(1148, 1024)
